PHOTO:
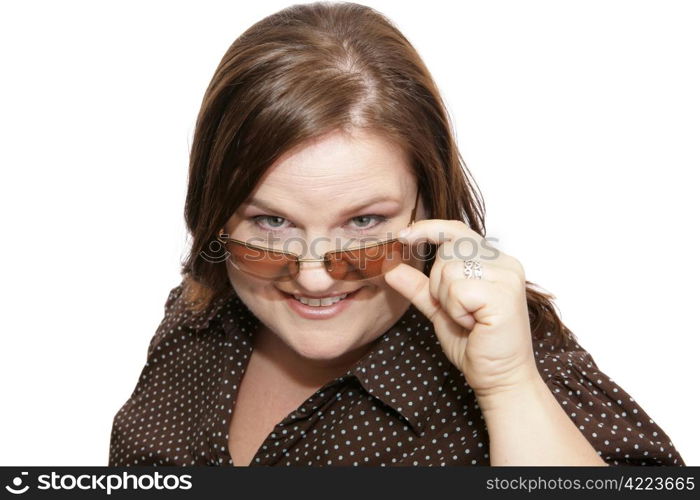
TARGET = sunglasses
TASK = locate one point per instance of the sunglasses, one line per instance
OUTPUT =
(352, 264)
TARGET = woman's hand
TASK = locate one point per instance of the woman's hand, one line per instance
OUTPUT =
(482, 324)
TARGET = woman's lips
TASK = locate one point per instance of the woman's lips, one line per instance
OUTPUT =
(320, 312)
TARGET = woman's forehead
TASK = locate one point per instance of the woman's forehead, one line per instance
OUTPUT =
(336, 181)
(340, 158)
(338, 169)
(382, 183)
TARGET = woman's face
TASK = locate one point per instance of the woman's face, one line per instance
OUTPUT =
(320, 197)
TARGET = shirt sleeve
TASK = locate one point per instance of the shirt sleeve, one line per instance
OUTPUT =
(122, 450)
(613, 422)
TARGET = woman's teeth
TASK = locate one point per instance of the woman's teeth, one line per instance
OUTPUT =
(326, 301)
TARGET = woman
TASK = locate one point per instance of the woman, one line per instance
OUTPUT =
(308, 331)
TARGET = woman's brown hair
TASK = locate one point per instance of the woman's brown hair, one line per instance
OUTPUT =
(298, 74)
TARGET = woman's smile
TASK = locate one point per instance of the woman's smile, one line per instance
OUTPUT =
(320, 308)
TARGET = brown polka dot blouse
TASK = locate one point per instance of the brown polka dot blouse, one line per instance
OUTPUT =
(403, 403)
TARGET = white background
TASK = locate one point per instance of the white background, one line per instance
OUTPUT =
(579, 120)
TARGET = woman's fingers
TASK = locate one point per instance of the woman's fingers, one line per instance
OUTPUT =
(414, 285)
(454, 270)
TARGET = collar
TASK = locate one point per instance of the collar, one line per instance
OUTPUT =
(196, 320)
(405, 369)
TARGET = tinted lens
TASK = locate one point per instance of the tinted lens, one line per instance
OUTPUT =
(266, 264)
(369, 262)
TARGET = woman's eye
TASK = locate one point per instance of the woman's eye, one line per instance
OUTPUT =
(364, 221)
(361, 223)
(274, 221)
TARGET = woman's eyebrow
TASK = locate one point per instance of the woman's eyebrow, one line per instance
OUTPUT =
(263, 205)
(372, 201)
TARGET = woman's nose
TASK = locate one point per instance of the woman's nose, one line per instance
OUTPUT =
(313, 276)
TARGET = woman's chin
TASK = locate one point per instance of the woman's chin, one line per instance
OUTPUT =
(322, 349)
